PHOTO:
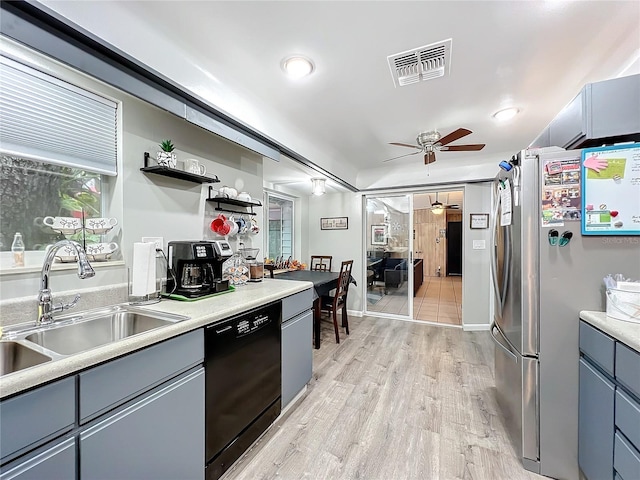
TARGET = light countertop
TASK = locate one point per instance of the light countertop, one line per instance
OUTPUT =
(202, 312)
(626, 332)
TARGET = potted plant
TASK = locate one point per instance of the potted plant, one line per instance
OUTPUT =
(166, 155)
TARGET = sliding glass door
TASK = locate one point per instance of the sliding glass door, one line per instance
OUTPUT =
(388, 245)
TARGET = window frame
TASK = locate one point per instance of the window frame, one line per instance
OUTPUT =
(281, 196)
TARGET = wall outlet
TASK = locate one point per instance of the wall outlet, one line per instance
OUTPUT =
(159, 241)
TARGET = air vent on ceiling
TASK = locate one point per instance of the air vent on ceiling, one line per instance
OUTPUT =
(419, 64)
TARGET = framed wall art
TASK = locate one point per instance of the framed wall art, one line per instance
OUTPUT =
(379, 234)
(334, 223)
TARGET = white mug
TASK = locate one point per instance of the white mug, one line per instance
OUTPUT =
(193, 166)
(100, 225)
(64, 225)
(101, 251)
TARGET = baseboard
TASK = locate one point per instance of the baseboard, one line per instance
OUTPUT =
(476, 327)
(355, 313)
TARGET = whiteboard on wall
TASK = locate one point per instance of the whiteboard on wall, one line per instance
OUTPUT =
(611, 190)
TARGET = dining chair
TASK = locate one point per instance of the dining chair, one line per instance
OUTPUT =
(321, 263)
(339, 300)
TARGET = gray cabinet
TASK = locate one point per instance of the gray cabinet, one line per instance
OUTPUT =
(609, 409)
(297, 355)
(606, 110)
(55, 461)
(158, 436)
(595, 427)
(297, 351)
(30, 419)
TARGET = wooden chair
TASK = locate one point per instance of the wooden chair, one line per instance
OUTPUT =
(339, 300)
(321, 263)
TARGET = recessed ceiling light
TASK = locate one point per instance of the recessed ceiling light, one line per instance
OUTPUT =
(506, 114)
(297, 66)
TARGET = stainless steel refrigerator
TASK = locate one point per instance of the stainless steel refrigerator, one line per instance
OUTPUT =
(540, 289)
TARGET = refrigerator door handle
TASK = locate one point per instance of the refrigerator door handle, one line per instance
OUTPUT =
(494, 255)
(508, 348)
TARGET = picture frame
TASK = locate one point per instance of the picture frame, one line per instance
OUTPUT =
(379, 234)
(478, 220)
(334, 223)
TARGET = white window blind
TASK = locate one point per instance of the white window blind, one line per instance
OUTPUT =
(47, 119)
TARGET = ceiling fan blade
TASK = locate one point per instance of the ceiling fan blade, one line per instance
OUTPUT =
(455, 135)
(464, 148)
(405, 145)
(429, 157)
(394, 158)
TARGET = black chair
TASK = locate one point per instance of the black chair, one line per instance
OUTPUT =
(321, 263)
(339, 299)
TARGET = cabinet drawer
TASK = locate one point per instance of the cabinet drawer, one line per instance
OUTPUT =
(628, 368)
(50, 462)
(628, 417)
(597, 346)
(108, 385)
(296, 303)
(36, 416)
(626, 459)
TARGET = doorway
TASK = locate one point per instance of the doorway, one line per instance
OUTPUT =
(438, 243)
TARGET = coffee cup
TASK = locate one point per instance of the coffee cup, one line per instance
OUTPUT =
(192, 165)
(255, 228)
(99, 226)
(219, 225)
(64, 225)
(65, 254)
(244, 196)
(233, 227)
(100, 252)
(243, 226)
(227, 192)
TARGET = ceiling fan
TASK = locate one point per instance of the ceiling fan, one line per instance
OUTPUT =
(439, 207)
(430, 142)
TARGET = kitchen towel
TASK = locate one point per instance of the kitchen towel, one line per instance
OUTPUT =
(143, 277)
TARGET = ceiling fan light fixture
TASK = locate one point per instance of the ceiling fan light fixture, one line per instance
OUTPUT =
(318, 186)
(506, 114)
(297, 66)
(437, 210)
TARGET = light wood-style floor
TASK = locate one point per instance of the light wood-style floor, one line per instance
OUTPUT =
(394, 401)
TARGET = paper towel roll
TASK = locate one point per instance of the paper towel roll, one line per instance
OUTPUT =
(143, 277)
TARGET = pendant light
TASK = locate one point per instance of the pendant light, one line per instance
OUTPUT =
(318, 186)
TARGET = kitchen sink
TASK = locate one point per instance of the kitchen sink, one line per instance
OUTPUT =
(15, 356)
(99, 328)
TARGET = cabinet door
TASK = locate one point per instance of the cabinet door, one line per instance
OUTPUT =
(160, 436)
(55, 462)
(595, 424)
(297, 355)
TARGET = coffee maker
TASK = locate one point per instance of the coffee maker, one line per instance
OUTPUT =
(197, 267)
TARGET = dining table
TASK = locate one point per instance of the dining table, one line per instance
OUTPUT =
(323, 283)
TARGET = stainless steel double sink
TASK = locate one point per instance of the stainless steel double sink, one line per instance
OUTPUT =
(77, 333)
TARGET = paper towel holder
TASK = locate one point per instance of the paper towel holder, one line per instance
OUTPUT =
(148, 299)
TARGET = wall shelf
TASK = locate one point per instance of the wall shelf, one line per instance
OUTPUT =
(175, 173)
(232, 201)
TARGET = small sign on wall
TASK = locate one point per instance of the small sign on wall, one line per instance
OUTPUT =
(479, 220)
(334, 223)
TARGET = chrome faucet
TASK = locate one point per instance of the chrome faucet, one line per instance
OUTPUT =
(46, 308)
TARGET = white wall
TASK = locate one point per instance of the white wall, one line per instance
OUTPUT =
(341, 244)
(147, 204)
(476, 274)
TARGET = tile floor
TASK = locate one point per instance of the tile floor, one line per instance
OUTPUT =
(438, 300)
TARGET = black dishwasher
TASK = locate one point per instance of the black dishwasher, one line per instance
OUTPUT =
(243, 384)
